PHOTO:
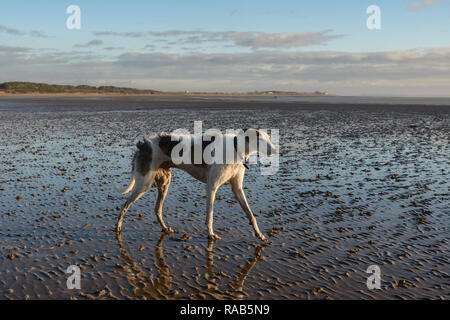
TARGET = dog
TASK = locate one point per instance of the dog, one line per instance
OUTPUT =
(153, 163)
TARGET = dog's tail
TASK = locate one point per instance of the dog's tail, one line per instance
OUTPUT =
(132, 182)
(127, 189)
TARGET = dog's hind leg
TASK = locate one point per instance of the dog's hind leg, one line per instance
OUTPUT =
(236, 187)
(162, 180)
(135, 195)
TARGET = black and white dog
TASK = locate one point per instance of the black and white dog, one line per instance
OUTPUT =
(154, 159)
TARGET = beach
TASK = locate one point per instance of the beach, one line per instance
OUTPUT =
(361, 182)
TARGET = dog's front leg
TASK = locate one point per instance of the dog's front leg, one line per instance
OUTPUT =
(236, 187)
(210, 197)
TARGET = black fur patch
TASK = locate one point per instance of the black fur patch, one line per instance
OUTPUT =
(166, 144)
(144, 157)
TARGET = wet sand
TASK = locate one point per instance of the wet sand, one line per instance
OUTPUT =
(359, 184)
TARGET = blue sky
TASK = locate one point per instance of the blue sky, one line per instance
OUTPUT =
(224, 36)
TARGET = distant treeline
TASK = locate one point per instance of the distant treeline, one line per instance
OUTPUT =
(32, 87)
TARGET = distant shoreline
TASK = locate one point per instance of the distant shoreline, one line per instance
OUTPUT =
(75, 94)
(157, 95)
(18, 88)
(162, 94)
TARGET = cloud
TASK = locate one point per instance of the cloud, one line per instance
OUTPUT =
(418, 72)
(13, 50)
(150, 47)
(290, 65)
(17, 32)
(257, 40)
(113, 48)
(89, 44)
(251, 39)
(15, 57)
(11, 31)
(424, 4)
(120, 34)
(38, 34)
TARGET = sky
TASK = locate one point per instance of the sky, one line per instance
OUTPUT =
(241, 46)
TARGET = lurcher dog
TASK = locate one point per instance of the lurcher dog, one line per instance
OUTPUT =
(153, 161)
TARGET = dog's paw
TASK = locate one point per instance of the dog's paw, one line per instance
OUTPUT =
(262, 237)
(168, 230)
(214, 237)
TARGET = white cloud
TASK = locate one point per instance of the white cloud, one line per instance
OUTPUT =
(251, 39)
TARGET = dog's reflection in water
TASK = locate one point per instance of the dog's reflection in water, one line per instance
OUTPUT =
(236, 288)
(144, 284)
(149, 286)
